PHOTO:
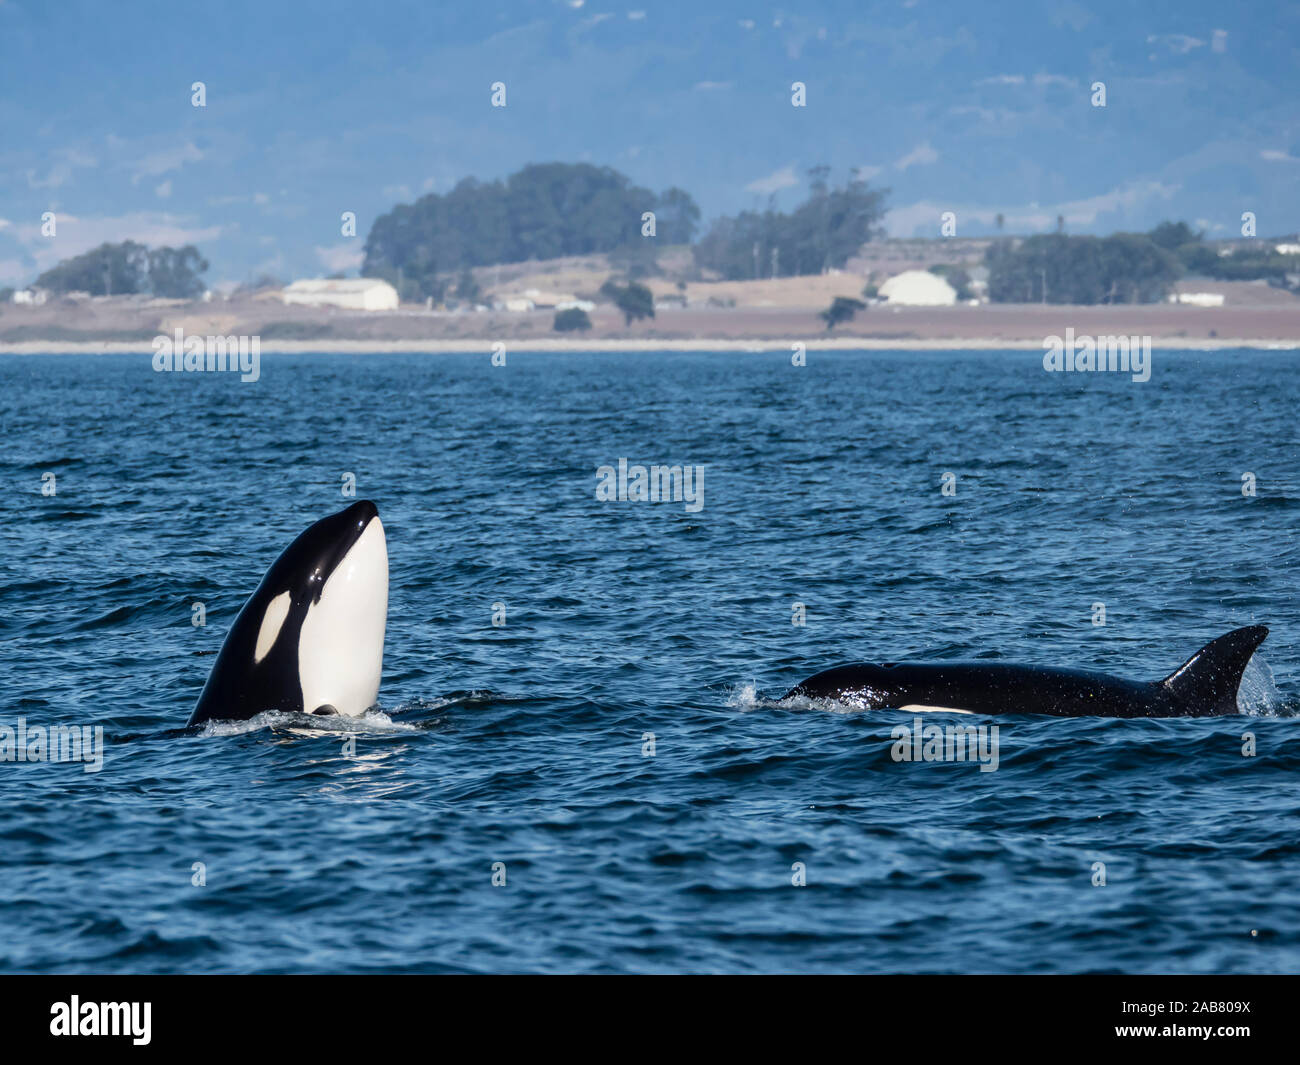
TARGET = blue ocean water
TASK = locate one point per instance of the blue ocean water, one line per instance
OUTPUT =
(527, 744)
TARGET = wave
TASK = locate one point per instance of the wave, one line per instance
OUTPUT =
(372, 722)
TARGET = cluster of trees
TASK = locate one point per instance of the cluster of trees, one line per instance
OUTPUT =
(633, 299)
(542, 212)
(127, 269)
(842, 309)
(568, 320)
(821, 233)
(1248, 263)
(1121, 268)
(1055, 268)
(957, 277)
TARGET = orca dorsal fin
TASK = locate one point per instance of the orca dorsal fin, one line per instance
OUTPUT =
(1207, 682)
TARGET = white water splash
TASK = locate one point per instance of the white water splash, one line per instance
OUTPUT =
(372, 721)
(746, 697)
(1258, 694)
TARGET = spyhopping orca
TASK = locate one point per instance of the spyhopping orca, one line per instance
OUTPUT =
(1203, 686)
(311, 638)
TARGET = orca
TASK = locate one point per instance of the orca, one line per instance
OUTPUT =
(1203, 686)
(311, 637)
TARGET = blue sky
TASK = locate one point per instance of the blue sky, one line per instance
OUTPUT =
(316, 109)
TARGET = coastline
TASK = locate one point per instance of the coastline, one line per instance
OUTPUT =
(1260, 318)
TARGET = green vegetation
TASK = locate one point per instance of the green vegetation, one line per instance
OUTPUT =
(1124, 267)
(568, 320)
(633, 299)
(129, 269)
(842, 309)
(1173, 235)
(545, 211)
(1054, 268)
(957, 277)
(1243, 264)
(822, 233)
(290, 329)
(1253, 262)
(467, 288)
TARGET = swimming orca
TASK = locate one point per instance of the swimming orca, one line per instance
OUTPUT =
(311, 638)
(1203, 686)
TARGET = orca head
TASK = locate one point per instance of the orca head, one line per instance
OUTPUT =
(865, 686)
(338, 571)
(312, 634)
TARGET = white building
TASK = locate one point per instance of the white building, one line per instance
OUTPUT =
(1198, 299)
(359, 294)
(918, 288)
(1288, 249)
(546, 299)
(533, 299)
(31, 297)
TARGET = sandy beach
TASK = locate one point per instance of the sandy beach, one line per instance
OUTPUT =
(126, 327)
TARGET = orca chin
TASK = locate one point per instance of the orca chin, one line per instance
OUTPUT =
(1203, 686)
(310, 639)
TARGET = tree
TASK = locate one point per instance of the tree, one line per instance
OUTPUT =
(823, 232)
(842, 309)
(543, 211)
(109, 270)
(1173, 235)
(676, 217)
(467, 288)
(633, 299)
(174, 272)
(1247, 262)
(572, 318)
(957, 277)
(1055, 268)
(127, 269)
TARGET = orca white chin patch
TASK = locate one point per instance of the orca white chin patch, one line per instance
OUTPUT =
(341, 644)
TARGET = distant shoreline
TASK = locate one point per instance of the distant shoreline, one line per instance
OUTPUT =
(630, 344)
(792, 316)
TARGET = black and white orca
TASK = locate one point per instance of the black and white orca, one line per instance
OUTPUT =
(311, 638)
(1203, 686)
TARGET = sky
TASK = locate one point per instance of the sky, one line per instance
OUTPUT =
(316, 109)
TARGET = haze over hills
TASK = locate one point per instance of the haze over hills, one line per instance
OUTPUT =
(950, 107)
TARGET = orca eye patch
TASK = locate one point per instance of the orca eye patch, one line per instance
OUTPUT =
(272, 621)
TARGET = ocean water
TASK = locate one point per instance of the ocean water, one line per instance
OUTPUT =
(529, 744)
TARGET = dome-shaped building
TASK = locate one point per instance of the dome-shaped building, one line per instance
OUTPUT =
(918, 288)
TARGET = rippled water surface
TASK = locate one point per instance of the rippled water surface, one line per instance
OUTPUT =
(526, 744)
